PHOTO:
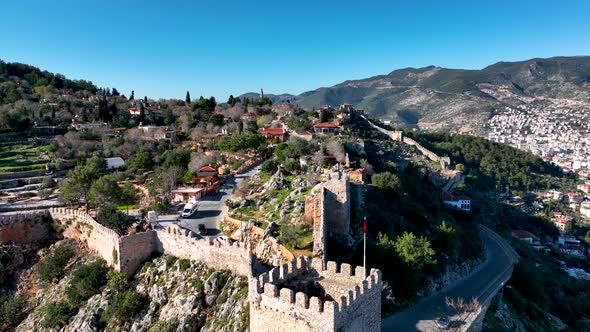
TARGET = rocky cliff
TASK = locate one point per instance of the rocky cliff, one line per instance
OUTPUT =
(165, 294)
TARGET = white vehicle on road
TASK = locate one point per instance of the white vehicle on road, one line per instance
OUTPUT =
(189, 209)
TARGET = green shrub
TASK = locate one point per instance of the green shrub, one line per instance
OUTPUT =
(56, 314)
(123, 306)
(184, 264)
(270, 166)
(170, 260)
(165, 326)
(86, 281)
(197, 283)
(52, 267)
(117, 281)
(12, 310)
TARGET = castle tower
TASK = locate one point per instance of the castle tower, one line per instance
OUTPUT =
(297, 296)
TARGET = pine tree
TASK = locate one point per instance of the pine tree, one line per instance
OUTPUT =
(187, 99)
(132, 97)
(141, 113)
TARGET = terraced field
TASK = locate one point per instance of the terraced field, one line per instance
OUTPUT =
(22, 157)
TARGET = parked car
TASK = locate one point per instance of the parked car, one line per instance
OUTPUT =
(189, 209)
(442, 322)
(202, 229)
(223, 239)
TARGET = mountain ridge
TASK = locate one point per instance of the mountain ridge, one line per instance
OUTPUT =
(434, 97)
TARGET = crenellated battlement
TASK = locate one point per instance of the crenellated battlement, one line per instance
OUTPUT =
(349, 295)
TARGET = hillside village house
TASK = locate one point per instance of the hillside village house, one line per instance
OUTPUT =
(585, 209)
(458, 202)
(575, 198)
(342, 118)
(85, 125)
(313, 119)
(561, 222)
(326, 128)
(135, 111)
(250, 116)
(584, 188)
(346, 107)
(158, 133)
(554, 194)
(185, 195)
(571, 246)
(526, 236)
(207, 171)
(115, 162)
(271, 134)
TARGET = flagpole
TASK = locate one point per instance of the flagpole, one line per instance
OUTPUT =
(365, 245)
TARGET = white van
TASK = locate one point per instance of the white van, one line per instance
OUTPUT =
(189, 209)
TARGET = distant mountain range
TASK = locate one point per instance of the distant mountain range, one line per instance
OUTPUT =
(456, 99)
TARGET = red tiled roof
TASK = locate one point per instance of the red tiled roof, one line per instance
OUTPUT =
(325, 125)
(249, 114)
(522, 234)
(448, 197)
(207, 169)
(274, 131)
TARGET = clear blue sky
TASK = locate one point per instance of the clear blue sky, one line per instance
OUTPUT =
(216, 47)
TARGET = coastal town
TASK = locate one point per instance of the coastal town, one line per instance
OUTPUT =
(556, 129)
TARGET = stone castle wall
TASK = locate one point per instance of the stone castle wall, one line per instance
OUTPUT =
(181, 243)
(356, 305)
(24, 228)
(399, 136)
(337, 203)
(134, 249)
(320, 230)
(327, 209)
(82, 227)
(126, 253)
(444, 161)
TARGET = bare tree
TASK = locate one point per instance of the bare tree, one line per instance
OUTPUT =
(243, 188)
(461, 308)
(199, 160)
(336, 149)
(185, 123)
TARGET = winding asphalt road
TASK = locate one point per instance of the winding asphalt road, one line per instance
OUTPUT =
(482, 284)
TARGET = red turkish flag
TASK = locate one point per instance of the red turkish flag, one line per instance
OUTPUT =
(365, 225)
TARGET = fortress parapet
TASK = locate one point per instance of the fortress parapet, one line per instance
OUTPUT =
(297, 296)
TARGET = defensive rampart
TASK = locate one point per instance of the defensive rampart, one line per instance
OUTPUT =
(399, 136)
(126, 253)
(182, 243)
(24, 228)
(343, 298)
(327, 208)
